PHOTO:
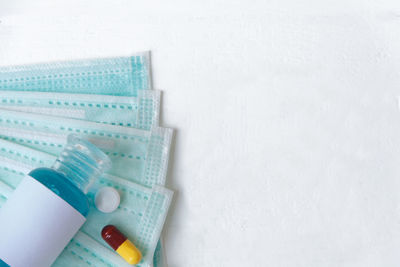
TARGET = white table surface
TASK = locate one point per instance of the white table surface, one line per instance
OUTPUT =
(286, 117)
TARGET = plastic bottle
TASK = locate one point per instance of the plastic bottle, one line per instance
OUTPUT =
(49, 206)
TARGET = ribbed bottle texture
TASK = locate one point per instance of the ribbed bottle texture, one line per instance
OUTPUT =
(81, 162)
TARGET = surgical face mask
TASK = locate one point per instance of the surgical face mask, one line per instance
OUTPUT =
(137, 155)
(138, 112)
(113, 76)
(141, 213)
(123, 76)
(78, 76)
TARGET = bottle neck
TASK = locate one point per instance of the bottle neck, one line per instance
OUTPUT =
(81, 163)
(74, 174)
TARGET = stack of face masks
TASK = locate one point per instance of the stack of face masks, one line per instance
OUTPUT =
(109, 102)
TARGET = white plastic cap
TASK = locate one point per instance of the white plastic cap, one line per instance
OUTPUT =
(107, 199)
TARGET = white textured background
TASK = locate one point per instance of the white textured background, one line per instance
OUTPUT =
(288, 131)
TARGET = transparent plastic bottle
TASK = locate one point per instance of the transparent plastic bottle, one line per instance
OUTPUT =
(50, 205)
(73, 172)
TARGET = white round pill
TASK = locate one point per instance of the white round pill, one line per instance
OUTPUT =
(107, 199)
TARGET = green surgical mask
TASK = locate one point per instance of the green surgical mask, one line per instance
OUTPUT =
(127, 76)
(138, 112)
(141, 213)
(123, 76)
(137, 155)
(145, 108)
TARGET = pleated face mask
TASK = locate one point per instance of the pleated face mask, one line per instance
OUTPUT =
(123, 76)
(140, 215)
(137, 155)
(140, 112)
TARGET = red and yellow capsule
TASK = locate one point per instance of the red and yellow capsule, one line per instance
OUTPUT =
(120, 243)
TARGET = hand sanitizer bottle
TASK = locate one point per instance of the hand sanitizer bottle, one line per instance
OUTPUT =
(49, 206)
